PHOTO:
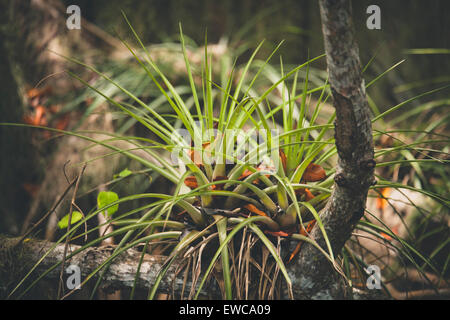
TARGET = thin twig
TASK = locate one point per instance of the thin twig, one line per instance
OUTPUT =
(85, 223)
(66, 245)
(57, 203)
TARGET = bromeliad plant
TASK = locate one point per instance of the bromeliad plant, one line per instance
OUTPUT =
(232, 191)
(248, 170)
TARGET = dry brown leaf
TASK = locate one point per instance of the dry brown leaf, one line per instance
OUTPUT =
(314, 172)
(283, 159)
(191, 182)
(252, 208)
(306, 192)
(381, 201)
(277, 233)
(303, 232)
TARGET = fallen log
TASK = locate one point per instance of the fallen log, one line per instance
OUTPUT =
(121, 274)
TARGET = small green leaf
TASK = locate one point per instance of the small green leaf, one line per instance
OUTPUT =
(64, 222)
(105, 198)
(124, 173)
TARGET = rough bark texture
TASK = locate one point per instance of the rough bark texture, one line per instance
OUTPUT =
(313, 275)
(15, 261)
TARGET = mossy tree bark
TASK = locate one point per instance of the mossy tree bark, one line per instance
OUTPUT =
(313, 275)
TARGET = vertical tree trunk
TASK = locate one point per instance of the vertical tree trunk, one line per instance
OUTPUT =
(313, 275)
(17, 154)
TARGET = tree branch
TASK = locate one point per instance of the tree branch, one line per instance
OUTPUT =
(120, 275)
(312, 274)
